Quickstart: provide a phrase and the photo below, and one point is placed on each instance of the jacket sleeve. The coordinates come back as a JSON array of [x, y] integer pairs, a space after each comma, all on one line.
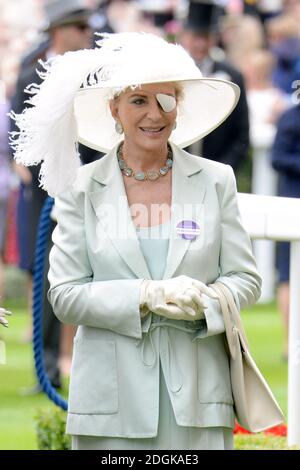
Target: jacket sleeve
[[285, 151], [74, 296], [237, 265], [237, 145]]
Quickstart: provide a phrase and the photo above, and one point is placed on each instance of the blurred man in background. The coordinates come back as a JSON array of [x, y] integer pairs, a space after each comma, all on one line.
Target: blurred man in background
[[230, 142]]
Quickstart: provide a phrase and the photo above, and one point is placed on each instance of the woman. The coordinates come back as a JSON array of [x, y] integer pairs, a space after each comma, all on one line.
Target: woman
[[140, 234]]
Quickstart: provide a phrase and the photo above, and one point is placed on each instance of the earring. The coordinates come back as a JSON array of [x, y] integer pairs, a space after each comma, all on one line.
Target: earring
[[174, 125], [119, 128]]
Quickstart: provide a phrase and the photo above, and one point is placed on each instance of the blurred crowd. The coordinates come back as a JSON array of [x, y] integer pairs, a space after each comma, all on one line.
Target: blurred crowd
[[255, 44]]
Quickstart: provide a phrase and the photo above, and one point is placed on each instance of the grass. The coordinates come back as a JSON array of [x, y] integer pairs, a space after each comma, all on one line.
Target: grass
[[265, 334], [260, 442], [16, 411], [17, 427]]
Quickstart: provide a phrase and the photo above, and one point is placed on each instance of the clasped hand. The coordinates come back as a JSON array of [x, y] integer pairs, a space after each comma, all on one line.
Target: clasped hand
[[3, 314], [179, 298]]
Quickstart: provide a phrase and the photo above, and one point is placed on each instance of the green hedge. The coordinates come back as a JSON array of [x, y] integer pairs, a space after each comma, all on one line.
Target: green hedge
[[50, 428]]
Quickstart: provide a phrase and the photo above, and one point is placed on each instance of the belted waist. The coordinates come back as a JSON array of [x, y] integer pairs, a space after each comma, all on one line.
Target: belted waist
[[170, 358]]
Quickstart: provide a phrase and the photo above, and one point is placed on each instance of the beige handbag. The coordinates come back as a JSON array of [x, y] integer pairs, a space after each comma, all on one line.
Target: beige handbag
[[255, 406]]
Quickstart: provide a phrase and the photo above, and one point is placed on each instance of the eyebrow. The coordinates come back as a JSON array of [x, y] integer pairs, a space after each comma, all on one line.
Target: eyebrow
[[145, 95]]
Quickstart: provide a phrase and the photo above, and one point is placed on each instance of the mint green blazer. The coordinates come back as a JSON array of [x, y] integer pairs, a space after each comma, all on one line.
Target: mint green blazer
[[95, 275]]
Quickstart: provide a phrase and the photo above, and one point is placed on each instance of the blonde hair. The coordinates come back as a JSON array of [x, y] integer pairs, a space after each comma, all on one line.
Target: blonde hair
[[244, 35], [179, 90]]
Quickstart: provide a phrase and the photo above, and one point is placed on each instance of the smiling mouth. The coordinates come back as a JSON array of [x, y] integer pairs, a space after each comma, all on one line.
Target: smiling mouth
[[152, 131]]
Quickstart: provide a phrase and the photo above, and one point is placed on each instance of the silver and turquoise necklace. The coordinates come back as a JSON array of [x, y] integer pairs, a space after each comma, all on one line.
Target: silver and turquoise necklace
[[151, 175]]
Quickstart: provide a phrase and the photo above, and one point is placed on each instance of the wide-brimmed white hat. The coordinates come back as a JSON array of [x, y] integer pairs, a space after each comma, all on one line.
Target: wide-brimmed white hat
[[145, 59], [72, 103]]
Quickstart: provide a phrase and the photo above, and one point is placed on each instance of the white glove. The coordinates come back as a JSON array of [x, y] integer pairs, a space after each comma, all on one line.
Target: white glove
[[178, 298], [3, 320]]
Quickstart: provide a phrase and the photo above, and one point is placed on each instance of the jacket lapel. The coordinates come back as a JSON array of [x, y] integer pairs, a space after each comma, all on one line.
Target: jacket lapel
[[111, 207], [187, 197]]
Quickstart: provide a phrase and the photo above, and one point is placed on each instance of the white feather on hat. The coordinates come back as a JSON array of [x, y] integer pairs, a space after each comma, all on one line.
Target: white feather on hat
[[48, 129], [71, 104]]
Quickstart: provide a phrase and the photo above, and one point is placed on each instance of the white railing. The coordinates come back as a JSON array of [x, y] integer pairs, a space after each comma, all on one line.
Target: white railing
[[278, 218]]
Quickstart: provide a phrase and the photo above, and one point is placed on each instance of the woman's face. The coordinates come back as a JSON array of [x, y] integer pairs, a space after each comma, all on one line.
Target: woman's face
[[143, 119]]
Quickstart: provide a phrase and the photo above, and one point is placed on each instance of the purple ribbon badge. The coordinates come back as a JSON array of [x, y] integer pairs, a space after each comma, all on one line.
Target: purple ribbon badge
[[188, 229]]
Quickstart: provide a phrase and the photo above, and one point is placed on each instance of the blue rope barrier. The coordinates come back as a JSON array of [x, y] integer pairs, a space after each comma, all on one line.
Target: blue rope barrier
[[39, 267]]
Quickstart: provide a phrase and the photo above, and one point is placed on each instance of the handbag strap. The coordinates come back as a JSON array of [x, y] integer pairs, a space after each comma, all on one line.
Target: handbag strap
[[231, 315]]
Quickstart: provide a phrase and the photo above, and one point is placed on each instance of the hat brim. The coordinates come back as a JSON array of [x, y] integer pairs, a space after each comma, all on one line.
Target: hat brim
[[206, 103], [79, 16]]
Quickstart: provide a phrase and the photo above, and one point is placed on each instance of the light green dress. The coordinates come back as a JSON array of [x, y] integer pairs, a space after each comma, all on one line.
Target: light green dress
[[154, 242]]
